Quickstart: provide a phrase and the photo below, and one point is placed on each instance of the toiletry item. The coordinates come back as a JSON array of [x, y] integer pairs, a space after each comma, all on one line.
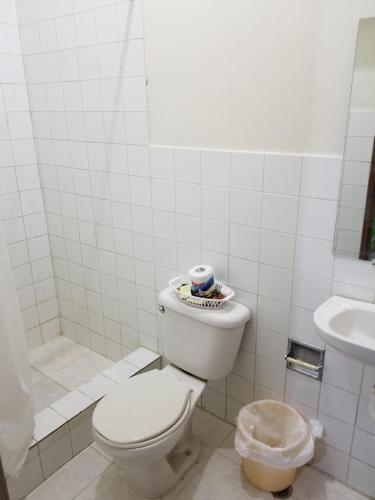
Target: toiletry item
[[202, 280]]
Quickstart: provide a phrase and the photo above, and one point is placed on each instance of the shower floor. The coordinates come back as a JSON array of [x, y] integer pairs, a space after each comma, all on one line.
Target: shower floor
[[60, 366]]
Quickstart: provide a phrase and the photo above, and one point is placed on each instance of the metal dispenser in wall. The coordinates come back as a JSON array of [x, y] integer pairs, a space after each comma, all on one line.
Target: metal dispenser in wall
[[305, 358]]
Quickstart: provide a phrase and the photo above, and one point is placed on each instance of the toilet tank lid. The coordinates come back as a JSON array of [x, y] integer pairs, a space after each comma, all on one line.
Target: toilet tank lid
[[231, 315]]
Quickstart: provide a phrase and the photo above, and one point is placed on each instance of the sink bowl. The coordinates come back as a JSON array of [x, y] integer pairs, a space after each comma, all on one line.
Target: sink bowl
[[348, 326]]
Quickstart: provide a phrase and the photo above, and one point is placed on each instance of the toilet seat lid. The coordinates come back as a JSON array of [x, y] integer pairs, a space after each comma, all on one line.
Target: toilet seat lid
[[141, 408]]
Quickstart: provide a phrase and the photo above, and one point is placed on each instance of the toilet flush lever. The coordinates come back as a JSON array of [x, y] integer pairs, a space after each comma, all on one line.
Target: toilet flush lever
[[162, 309]]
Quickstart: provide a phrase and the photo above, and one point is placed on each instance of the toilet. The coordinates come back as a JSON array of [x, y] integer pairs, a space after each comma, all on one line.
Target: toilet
[[145, 423]]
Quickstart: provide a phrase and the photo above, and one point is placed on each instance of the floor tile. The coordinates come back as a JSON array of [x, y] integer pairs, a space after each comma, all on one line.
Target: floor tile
[[209, 429], [221, 479], [120, 371], [314, 485], [72, 404], [71, 479], [55, 354], [204, 457], [227, 449], [98, 387], [141, 357], [36, 376], [47, 392], [81, 370], [216, 475], [109, 486]]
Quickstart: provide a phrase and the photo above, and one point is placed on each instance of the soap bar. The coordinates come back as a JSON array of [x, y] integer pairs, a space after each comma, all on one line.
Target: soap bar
[[185, 289]]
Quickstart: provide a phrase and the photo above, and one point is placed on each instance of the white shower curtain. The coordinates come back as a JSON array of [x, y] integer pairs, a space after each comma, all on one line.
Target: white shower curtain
[[16, 407]]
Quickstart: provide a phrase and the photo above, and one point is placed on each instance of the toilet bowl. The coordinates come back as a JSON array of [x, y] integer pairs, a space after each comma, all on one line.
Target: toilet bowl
[[145, 423], [145, 426]]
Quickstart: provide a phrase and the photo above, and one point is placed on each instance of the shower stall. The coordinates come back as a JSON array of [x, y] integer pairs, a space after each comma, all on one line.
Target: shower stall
[[75, 189]]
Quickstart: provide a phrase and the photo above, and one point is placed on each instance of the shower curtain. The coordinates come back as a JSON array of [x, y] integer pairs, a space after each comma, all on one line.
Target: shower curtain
[[16, 407]]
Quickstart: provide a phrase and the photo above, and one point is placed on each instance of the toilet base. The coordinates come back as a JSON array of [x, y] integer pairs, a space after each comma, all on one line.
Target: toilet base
[[157, 478]]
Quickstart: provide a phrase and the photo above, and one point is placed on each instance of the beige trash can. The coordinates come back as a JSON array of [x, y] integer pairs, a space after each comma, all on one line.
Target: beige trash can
[[273, 440], [267, 478]]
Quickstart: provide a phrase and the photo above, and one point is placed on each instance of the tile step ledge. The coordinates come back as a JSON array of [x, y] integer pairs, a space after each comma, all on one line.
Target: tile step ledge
[[63, 429]]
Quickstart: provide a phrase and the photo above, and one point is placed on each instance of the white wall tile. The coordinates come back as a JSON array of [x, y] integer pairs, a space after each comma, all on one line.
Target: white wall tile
[[302, 389], [310, 291], [188, 198], [271, 345], [338, 403], [215, 203], [364, 447], [56, 455], [161, 161], [247, 171], [243, 274], [240, 389], [336, 433], [187, 165], [321, 177], [214, 235], [273, 315], [270, 374], [343, 371], [275, 283], [317, 218], [314, 256], [244, 242], [361, 477], [280, 213], [245, 207], [277, 249], [215, 167], [163, 195], [282, 174], [331, 461]]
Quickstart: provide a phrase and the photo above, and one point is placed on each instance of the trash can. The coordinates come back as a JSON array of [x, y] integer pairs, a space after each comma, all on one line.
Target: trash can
[[273, 439]]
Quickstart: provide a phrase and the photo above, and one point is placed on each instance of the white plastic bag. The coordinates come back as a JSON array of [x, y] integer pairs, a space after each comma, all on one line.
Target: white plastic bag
[[16, 407], [275, 434]]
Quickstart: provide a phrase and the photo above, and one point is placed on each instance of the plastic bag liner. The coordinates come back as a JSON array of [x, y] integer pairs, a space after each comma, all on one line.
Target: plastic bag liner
[[275, 434]]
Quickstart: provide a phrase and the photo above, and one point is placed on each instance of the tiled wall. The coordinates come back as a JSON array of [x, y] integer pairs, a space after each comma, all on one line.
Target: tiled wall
[[266, 223], [357, 158], [124, 218], [21, 204], [84, 66]]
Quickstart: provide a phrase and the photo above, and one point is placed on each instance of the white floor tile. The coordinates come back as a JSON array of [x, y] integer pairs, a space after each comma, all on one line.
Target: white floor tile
[[47, 392], [55, 354], [81, 370], [210, 430], [314, 485], [71, 479], [70, 405]]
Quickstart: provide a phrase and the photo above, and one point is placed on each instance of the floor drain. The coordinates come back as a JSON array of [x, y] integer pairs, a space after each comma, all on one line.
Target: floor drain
[[284, 493], [188, 453]]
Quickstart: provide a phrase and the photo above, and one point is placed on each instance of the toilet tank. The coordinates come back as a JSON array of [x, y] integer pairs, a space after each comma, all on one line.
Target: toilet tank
[[202, 342]]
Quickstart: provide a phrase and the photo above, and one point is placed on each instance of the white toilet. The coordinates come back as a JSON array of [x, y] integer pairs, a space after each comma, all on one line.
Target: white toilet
[[145, 422]]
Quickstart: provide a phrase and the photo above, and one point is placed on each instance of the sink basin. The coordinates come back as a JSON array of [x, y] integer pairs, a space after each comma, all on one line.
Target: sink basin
[[348, 326]]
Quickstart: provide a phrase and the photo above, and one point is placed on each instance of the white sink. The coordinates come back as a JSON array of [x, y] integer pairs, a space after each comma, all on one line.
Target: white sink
[[348, 326]]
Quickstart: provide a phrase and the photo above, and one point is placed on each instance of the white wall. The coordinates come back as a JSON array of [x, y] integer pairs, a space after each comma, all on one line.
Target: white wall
[[363, 92], [85, 73], [22, 216], [255, 75]]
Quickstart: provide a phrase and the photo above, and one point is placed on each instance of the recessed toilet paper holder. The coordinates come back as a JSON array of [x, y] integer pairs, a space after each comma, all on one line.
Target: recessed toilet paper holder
[[305, 358]]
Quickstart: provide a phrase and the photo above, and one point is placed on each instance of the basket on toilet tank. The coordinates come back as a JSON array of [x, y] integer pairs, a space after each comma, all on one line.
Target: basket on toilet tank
[[177, 285]]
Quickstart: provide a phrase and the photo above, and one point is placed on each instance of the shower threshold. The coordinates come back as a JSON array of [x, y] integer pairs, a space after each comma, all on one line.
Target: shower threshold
[[63, 428]]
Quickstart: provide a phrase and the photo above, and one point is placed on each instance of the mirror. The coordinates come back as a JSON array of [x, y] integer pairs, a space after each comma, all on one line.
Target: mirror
[[355, 225]]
